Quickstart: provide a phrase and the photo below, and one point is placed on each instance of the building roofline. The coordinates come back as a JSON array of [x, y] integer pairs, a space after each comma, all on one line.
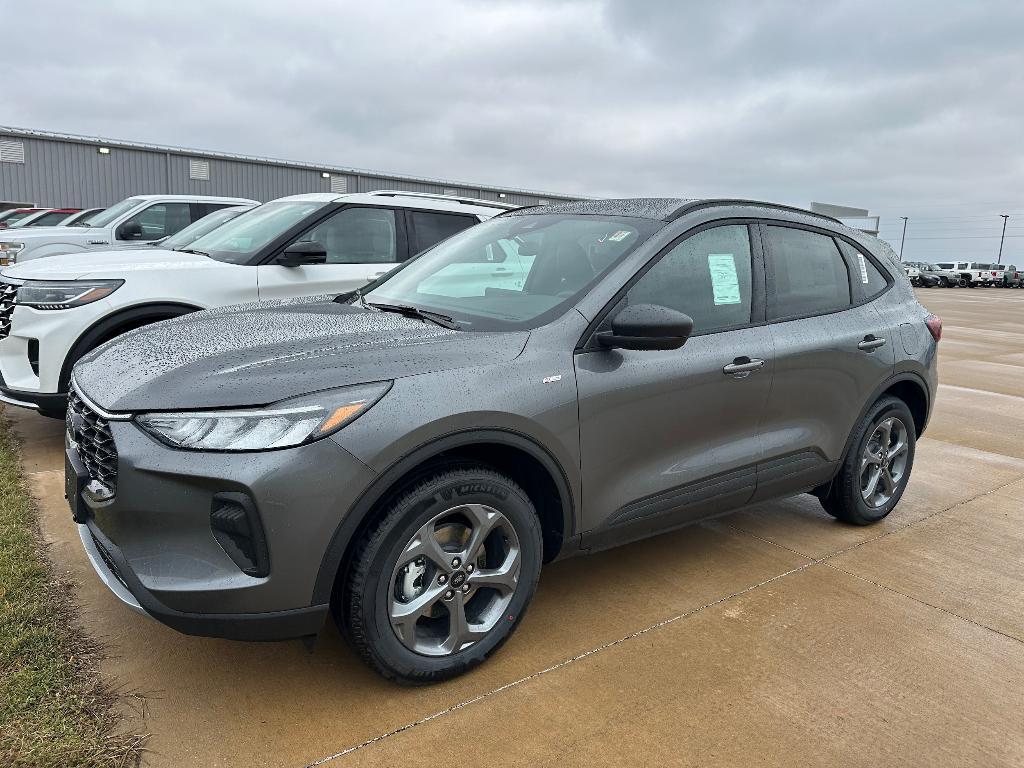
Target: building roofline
[[32, 133]]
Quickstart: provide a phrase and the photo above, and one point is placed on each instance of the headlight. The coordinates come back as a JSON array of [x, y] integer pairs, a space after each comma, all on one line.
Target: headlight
[[65, 295], [282, 425], [9, 253]]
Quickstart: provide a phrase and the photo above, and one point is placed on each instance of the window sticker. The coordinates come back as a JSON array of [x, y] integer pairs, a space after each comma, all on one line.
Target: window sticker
[[619, 236], [724, 282], [863, 268]]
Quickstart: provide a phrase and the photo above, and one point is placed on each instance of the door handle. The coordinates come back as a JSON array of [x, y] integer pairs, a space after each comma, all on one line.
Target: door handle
[[742, 367], [870, 343]]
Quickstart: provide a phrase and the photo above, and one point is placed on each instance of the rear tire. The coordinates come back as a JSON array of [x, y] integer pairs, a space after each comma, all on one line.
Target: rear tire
[[875, 472], [443, 579]]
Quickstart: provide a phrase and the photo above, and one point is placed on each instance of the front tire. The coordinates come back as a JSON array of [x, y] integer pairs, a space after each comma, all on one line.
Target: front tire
[[875, 471], [443, 579]]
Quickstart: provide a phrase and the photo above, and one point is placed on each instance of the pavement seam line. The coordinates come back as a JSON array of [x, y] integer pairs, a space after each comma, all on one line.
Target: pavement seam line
[[663, 623], [924, 602], [560, 665]]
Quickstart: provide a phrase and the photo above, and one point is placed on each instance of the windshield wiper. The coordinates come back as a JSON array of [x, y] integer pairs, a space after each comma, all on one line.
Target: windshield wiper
[[189, 250], [410, 311]]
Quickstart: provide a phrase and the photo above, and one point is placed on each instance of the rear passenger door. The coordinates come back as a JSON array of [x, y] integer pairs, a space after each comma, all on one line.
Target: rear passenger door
[[832, 350]]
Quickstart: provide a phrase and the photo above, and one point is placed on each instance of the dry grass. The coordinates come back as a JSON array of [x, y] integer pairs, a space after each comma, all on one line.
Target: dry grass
[[54, 708]]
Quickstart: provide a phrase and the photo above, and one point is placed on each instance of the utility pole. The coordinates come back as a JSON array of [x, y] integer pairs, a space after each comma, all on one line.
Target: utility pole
[[1002, 237], [904, 236]]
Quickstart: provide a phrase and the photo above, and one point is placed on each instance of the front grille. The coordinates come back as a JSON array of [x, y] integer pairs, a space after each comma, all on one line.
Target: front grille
[[96, 448], [8, 293]]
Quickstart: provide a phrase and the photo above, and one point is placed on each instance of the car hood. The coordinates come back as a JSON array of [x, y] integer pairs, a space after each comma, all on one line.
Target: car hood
[[39, 233], [72, 266], [259, 354]]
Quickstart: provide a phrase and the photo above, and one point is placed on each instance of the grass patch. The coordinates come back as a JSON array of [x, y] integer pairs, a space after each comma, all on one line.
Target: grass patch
[[54, 709]]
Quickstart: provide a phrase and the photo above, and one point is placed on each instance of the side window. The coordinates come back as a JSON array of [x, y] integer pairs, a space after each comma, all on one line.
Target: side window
[[160, 220], [200, 210], [810, 275], [431, 228], [871, 279], [707, 276], [357, 236]]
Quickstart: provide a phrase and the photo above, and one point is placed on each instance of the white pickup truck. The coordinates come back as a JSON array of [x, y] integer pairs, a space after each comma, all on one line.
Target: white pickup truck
[[972, 273], [131, 221]]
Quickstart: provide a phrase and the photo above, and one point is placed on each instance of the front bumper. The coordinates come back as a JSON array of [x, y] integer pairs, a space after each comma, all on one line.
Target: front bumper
[[54, 332], [112, 568], [154, 547], [53, 404]]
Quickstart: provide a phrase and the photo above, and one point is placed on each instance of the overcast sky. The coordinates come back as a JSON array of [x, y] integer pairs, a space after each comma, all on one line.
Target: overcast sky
[[909, 109]]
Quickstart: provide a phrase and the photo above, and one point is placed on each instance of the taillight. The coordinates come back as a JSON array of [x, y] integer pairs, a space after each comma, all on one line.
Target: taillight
[[934, 323]]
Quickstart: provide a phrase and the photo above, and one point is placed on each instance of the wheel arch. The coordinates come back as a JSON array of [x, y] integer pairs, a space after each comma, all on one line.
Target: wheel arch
[[524, 460], [120, 321], [909, 387]]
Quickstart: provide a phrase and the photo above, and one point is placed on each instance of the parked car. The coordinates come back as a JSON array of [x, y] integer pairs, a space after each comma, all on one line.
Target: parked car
[[11, 218], [947, 277], [54, 310], [1012, 277], [195, 230], [921, 274], [133, 220], [48, 218], [81, 216], [410, 455], [955, 271]]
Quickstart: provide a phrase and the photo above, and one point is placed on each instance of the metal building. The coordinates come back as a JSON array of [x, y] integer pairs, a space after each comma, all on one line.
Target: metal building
[[56, 170]]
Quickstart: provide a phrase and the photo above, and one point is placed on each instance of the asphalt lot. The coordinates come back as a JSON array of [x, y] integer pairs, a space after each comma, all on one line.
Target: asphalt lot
[[775, 636]]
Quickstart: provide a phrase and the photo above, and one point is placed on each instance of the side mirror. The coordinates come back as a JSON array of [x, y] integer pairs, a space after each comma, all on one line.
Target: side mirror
[[130, 230], [302, 253], [647, 326]]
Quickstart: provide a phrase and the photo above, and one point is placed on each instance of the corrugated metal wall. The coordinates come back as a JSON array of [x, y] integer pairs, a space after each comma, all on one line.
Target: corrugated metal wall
[[59, 172]]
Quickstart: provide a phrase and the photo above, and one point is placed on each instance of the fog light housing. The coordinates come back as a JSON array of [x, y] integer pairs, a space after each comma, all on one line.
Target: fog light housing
[[237, 528]]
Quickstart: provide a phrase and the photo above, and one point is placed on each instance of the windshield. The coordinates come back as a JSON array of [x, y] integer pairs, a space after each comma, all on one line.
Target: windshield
[[49, 219], [18, 216], [515, 271], [204, 226], [240, 238], [105, 217]]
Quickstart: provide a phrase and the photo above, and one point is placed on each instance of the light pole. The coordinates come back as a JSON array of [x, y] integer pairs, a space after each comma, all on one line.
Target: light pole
[[904, 236], [1002, 237]]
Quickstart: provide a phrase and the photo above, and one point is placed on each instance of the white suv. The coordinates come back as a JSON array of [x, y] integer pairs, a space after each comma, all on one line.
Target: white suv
[[54, 310], [133, 220]]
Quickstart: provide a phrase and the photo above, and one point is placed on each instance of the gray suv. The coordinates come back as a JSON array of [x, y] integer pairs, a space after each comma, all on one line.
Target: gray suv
[[555, 381]]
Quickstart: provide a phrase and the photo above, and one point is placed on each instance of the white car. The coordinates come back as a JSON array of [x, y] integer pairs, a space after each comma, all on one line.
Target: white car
[[133, 220], [54, 310]]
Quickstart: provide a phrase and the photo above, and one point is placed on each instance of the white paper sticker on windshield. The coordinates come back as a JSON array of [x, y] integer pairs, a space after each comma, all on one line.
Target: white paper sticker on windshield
[[863, 268], [724, 282], [618, 236]]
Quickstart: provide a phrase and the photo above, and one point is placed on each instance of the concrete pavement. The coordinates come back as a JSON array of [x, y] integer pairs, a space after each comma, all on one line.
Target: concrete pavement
[[774, 636]]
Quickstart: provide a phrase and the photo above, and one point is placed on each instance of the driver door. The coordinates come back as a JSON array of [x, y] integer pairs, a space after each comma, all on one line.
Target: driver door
[[669, 436], [362, 244]]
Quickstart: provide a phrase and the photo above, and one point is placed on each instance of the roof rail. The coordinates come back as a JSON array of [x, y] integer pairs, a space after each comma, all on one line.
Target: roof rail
[[698, 204], [435, 196]]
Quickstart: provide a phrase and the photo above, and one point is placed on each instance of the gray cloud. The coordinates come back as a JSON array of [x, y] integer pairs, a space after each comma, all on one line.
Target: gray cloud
[[908, 108]]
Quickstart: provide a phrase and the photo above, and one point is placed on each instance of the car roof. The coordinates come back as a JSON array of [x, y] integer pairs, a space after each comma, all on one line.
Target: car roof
[[656, 208], [212, 198], [403, 199]]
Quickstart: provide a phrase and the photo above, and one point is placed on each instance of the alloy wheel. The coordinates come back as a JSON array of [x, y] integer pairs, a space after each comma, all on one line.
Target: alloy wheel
[[454, 580], [883, 462]]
